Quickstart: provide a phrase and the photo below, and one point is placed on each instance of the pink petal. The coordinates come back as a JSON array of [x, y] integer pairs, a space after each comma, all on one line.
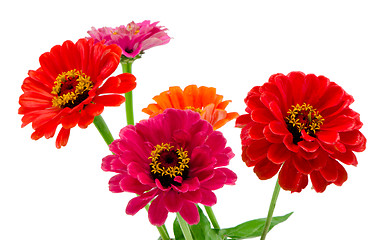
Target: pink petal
[[189, 213], [208, 197], [129, 184], [139, 202], [157, 211], [172, 201]]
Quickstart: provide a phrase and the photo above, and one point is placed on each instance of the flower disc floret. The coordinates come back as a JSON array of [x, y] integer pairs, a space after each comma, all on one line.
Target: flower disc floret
[[71, 88], [168, 163], [174, 160]]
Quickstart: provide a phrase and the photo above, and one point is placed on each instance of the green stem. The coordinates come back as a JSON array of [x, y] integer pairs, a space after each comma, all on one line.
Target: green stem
[[184, 227], [212, 217], [161, 229], [273, 202], [127, 68], [103, 129], [163, 232]]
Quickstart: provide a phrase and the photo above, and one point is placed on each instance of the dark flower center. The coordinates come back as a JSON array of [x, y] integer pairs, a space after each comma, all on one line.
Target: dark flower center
[[303, 117], [71, 88], [168, 163]]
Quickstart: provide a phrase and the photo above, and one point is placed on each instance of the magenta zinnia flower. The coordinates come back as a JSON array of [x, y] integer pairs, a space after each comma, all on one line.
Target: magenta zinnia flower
[[174, 159], [133, 38]]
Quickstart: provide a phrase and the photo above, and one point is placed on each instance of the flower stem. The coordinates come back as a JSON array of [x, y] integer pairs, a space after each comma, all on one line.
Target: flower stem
[[163, 232], [127, 68], [273, 202], [212, 217], [103, 129], [184, 227]]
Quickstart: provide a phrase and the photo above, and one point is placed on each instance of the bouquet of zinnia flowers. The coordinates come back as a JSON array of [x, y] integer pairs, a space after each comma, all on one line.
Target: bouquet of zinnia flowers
[[298, 126]]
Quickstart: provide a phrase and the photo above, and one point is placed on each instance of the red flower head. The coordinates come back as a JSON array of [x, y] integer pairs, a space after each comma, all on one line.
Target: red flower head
[[174, 158], [300, 125], [69, 88]]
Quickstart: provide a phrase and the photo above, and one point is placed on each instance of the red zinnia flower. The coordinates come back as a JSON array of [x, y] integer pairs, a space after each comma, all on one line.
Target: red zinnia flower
[[174, 158], [300, 125], [203, 100], [69, 88]]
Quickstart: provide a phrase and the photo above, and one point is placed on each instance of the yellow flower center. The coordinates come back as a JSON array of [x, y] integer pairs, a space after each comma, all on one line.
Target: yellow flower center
[[133, 28], [167, 163], [71, 88], [198, 110], [303, 117]]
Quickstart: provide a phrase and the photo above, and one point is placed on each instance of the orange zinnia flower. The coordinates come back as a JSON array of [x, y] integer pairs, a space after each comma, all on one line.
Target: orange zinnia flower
[[203, 100]]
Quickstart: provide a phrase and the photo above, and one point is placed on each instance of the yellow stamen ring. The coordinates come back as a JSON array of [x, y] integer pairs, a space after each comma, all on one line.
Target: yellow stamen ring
[[304, 117], [173, 169], [80, 79]]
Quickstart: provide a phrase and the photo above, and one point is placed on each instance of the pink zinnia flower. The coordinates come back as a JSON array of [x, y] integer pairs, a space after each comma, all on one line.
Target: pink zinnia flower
[[133, 38], [174, 159]]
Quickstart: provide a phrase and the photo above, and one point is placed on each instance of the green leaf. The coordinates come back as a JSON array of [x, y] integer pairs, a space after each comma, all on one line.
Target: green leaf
[[201, 230], [251, 228]]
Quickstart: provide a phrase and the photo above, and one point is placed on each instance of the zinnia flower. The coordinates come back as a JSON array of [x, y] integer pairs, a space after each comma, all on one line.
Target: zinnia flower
[[133, 38], [174, 159], [69, 88], [300, 125], [203, 100]]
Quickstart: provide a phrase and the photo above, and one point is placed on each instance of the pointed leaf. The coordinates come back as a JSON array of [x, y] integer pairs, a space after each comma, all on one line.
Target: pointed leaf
[[251, 228]]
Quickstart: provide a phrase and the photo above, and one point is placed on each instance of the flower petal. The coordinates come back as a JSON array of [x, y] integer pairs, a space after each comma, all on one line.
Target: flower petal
[[189, 213]]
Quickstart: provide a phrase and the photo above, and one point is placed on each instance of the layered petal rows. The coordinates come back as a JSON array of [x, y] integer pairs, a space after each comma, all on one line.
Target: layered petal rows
[[203, 100], [134, 38], [71, 88], [300, 126], [175, 160]]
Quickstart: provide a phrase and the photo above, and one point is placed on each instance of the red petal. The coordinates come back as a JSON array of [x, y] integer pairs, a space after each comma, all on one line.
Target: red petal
[[289, 177], [319, 183], [302, 165], [342, 175], [242, 120], [85, 120], [258, 150], [347, 157], [329, 137], [340, 124], [94, 109], [62, 138], [265, 169], [330, 171], [278, 128], [70, 120], [271, 137], [122, 83], [262, 115], [308, 146], [109, 100], [331, 97], [278, 153], [256, 131]]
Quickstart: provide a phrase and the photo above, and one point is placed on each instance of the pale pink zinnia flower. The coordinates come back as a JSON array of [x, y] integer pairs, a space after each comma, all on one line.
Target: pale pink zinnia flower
[[174, 159], [134, 38]]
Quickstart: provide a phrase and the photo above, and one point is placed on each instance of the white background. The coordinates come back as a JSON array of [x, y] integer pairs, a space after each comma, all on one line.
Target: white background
[[47, 193]]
